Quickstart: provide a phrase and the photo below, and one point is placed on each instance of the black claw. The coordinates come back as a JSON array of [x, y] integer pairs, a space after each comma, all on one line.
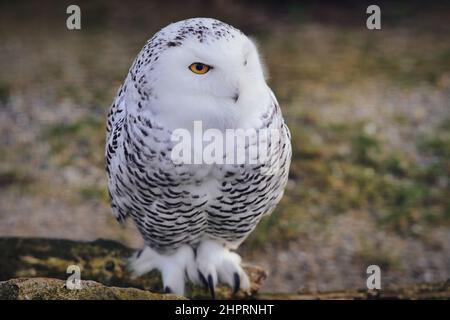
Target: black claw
[[167, 290], [237, 283], [211, 286], [203, 279]]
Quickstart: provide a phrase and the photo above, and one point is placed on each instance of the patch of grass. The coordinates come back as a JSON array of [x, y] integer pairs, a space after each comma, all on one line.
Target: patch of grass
[[94, 192], [81, 140], [281, 226], [365, 147], [410, 68], [369, 253], [345, 167], [437, 145], [401, 205]]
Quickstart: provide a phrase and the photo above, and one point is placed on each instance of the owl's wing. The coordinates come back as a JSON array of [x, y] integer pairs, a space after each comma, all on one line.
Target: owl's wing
[[283, 157], [285, 127], [114, 143]]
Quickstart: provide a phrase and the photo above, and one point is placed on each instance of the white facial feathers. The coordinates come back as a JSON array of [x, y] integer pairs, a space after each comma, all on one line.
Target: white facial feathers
[[231, 91]]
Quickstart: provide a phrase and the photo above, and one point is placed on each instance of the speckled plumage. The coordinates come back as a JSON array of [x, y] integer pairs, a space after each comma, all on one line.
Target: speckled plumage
[[180, 205]]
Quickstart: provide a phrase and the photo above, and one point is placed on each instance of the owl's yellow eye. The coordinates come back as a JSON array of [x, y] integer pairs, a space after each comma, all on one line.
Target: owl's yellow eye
[[199, 68]]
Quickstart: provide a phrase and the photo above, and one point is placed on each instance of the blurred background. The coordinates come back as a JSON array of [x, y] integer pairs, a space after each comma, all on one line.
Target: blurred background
[[369, 113]]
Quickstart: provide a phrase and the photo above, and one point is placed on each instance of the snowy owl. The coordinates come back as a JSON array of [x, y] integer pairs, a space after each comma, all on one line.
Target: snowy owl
[[193, 216]]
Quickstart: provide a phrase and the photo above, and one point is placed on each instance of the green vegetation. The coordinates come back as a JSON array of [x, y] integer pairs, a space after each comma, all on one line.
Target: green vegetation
[[81, 140], [342, 168]]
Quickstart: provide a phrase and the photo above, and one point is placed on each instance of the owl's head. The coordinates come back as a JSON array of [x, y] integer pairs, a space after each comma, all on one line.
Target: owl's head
[[200, 69]]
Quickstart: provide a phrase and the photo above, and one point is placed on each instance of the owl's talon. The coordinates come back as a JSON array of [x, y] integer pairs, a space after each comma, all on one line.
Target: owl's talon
[[237, 283], [203, 279], [221, 265], [173, 266], [211, 287]]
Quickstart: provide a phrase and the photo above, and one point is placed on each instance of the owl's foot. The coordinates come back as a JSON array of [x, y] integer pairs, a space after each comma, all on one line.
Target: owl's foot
[[173, 266], [215, 263]]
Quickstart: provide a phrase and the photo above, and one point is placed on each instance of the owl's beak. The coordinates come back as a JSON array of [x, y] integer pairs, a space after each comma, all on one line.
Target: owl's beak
[[236, 97]]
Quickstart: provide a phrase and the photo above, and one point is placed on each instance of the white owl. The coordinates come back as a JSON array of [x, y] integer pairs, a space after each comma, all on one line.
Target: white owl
[[192, 216]]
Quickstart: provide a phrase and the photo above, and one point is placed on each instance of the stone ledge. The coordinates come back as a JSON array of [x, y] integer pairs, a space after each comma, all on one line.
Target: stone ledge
[[55, 289], [103, 261]]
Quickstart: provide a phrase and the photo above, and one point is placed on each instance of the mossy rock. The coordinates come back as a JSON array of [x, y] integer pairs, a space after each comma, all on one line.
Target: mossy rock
[[55, 289], [102, 261]]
